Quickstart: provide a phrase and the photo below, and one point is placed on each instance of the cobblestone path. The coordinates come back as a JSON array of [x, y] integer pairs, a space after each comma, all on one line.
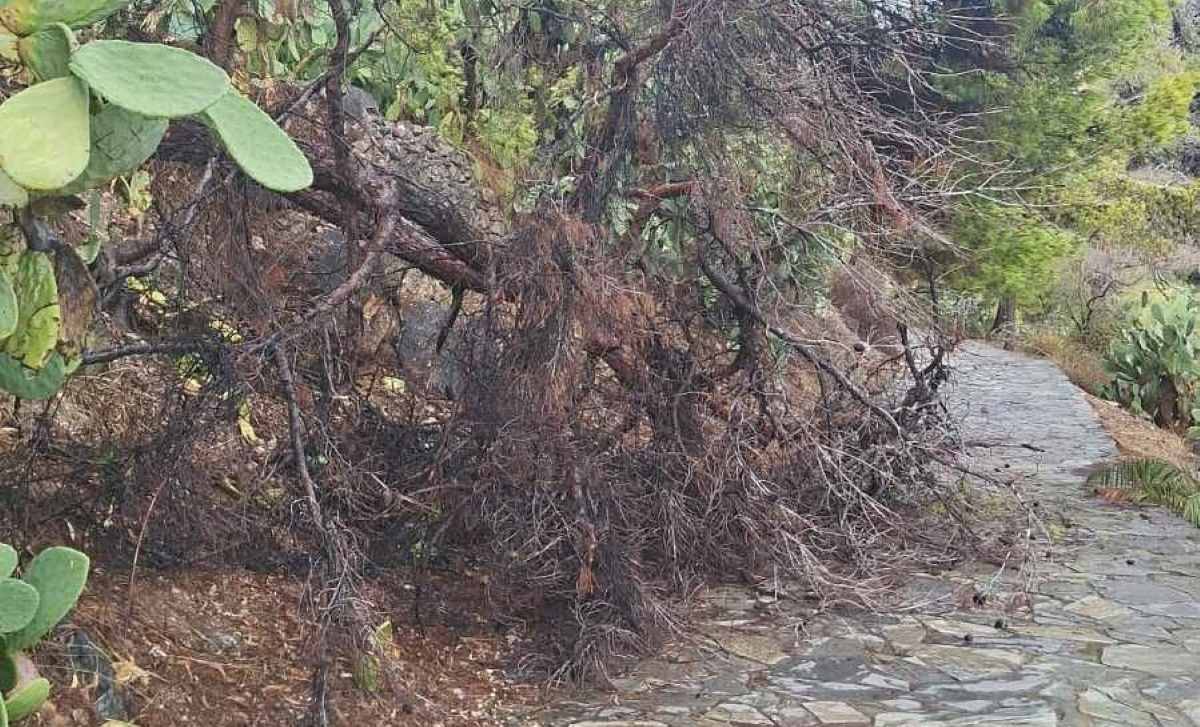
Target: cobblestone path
[[1113, 639]]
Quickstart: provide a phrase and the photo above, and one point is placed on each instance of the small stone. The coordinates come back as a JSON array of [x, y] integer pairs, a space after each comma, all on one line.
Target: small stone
[[966, 664], [738, 714], [836, 713], [1098, 608], [1063, 633], [885, 682], [1096, 704], [904, 637], [971, 705], [618, 723]]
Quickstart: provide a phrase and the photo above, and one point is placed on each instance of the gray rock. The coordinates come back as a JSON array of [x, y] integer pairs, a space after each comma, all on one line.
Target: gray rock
[[95, 669], [1161, 661]]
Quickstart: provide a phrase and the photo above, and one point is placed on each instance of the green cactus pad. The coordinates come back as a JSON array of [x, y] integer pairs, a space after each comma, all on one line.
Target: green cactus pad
[[59, 575], [8, 322], [258, 145], [25, 383], [25, 17], [11, 193], [149, 78], [40, 335], [8, 560], [27, 698], [38, 314], [8, 671], [121, 142], [18, 603], [44, 134], [48, 51]]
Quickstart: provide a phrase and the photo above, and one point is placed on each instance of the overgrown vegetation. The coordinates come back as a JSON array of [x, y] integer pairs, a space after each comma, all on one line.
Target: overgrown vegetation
[[612, 298]]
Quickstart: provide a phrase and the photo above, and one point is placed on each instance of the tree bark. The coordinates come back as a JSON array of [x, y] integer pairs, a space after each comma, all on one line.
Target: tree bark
[[1006, 315]]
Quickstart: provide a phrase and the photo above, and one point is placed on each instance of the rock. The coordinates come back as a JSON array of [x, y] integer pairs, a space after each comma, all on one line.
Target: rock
[[618, 723], [1164, 661], [95, 669], [966, 663], [1098, 608], [1096, 704], [836, 713], [904, 637], [219, 642], [737, 714], [961, 629], [760, 648], [1062, 633]]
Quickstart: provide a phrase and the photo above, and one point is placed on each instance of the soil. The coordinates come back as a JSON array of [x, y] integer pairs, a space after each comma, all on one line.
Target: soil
[[232, 648]]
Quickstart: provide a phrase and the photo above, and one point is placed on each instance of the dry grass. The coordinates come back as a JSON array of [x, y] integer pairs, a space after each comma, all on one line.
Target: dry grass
[[1083, 366], [1138, 438]]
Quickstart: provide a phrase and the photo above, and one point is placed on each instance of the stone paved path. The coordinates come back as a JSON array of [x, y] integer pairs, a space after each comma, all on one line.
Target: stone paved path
[[1113, 639]]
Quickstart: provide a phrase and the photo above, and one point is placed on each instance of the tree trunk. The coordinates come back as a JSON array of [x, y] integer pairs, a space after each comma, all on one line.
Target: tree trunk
[[1006, 315]]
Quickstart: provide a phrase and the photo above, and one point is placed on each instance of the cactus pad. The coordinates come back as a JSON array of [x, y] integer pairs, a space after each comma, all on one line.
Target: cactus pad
[[121, 142], [27, 698], [258, 145], [11, 193], [59, 575], [25, 17], [25, 383], [18, 603], [8, 322], [38, 313], [150, 79], [8, 560], [48, 51], [44, 134]]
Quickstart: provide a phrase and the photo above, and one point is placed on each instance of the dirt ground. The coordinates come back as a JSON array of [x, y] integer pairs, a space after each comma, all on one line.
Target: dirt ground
[[231, 648]]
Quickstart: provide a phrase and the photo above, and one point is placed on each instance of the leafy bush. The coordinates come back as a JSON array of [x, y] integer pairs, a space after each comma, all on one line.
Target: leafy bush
[[1155, 362], [30, 607]]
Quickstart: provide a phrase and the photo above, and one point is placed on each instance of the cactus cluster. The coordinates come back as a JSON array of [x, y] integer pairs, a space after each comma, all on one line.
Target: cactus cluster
[[94, 112], [30, 606]]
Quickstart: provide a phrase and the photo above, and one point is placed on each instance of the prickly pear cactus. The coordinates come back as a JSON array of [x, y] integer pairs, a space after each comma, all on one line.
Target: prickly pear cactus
[[261, 149], [96, 112], [149, 78], [8, 560], [29, 608], [59, 575], [44, 134], [38, 313], [121, 142], [8, 306], [20, 604], [25, 17], [48, 51]]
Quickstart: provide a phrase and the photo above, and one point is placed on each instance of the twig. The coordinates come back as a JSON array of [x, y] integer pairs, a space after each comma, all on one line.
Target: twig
[[296, 434]]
